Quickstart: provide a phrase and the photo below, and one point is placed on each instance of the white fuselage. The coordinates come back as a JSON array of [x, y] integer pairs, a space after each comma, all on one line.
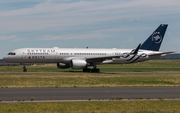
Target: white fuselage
[[65, 55]]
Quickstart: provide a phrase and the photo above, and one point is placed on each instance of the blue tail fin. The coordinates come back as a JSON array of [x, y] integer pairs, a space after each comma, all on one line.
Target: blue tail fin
[[154, 41]]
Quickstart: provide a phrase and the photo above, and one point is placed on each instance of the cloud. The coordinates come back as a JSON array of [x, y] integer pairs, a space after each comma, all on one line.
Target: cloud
[[98, 34], [7, 37], [169, 33], [12, 38], [131, 39], [64, 15], [18, 39], [98, 6], [137, 20], [75, 36]]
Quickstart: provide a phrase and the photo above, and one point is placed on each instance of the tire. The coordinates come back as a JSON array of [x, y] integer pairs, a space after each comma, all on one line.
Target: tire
[[97, 70], [25, 70], [85, 70], [89, 70]]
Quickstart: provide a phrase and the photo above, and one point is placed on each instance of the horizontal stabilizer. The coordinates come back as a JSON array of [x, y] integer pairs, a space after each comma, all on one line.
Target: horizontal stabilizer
[[161, 54]]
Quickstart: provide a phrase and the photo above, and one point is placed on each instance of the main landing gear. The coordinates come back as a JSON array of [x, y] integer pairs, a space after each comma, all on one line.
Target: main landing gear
[[91, 70], [24, 68], [94, 70]]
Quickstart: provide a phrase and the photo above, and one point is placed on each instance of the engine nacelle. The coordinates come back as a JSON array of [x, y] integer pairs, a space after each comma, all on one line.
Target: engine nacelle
[[78, 64], [63, 65]]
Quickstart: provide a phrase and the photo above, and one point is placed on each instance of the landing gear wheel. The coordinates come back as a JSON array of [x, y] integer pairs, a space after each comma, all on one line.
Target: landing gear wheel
[[25, 70], [93, 70], [86, 70], [96, 70]]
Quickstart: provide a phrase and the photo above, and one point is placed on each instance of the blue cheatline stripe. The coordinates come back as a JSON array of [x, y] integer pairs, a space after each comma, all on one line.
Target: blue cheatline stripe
[[135, 59], [139, 57], [128, 53], [131, 58]]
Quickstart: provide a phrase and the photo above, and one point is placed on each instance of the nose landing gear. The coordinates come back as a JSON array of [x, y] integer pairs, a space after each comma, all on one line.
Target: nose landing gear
[[24, 68]]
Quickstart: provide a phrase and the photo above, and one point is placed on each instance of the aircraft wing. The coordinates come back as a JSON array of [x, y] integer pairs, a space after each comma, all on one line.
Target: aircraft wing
[[161, 54], [101, 59]]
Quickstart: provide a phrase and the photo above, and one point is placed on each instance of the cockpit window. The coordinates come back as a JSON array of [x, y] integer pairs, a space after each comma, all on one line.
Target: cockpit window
[[11, 53]]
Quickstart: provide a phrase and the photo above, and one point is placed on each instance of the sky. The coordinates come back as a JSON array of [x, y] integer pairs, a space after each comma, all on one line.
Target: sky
[[86, 23]]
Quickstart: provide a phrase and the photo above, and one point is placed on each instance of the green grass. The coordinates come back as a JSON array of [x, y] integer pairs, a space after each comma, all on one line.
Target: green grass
[[155, 65], [22, 80], [96, 107], [51, 69], [12, 80], [29, 80], [151, 63], [139, 69]]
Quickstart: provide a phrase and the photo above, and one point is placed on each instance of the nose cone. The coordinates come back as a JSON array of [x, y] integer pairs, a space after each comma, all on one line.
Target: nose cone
[[5, 58]]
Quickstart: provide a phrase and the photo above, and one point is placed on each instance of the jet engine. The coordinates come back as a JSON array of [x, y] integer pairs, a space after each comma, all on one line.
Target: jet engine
[[78, 64], [63, 65]]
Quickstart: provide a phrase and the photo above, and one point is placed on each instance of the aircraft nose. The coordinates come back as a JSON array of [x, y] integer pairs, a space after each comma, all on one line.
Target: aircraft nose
[[5, 58]]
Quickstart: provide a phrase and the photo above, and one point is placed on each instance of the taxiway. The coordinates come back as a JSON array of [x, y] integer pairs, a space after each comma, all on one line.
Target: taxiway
[[26, 94]]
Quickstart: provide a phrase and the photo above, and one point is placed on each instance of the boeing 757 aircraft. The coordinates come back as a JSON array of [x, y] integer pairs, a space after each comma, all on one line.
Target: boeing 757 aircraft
[[83, 58]]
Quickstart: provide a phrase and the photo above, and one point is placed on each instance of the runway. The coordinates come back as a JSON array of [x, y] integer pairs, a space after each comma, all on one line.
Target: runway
[[54, 94], [84, 94]]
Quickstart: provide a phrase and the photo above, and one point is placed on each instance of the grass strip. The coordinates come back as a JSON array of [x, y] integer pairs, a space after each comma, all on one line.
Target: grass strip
[[50, 69], [112, 107], [153, 65], [33, 80]]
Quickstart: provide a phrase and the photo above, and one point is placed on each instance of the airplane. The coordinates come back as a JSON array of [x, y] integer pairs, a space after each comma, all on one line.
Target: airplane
[[82, 58]]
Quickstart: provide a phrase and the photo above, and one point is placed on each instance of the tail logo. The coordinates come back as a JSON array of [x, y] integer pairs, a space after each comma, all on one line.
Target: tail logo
[[156, 37]]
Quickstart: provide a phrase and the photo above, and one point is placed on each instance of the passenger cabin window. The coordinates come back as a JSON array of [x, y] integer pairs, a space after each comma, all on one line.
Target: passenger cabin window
[[11, 53]]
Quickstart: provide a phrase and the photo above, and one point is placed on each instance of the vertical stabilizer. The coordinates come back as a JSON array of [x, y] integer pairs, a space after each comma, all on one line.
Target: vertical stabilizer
[[155, 39]]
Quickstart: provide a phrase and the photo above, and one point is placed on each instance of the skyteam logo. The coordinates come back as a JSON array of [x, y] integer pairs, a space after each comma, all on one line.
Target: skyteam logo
[[156, 37]]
